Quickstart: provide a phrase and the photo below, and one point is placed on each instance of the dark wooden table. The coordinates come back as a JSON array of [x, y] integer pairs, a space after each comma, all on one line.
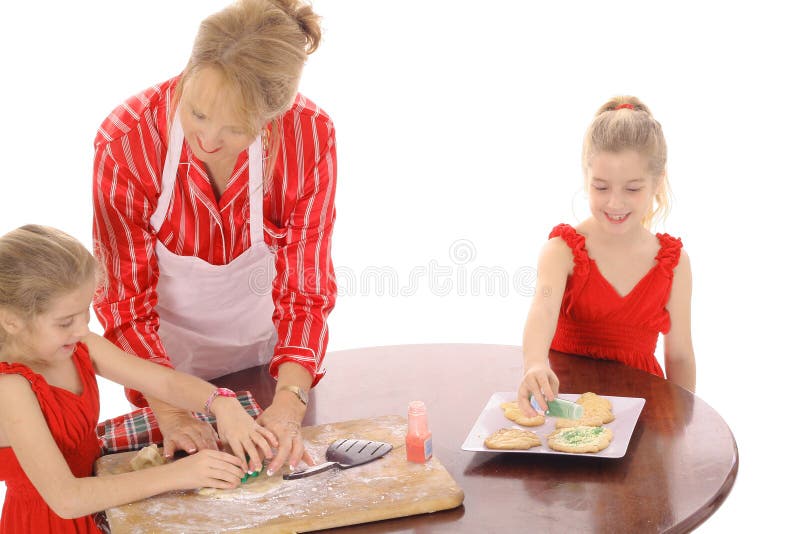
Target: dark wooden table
[[680, 465]]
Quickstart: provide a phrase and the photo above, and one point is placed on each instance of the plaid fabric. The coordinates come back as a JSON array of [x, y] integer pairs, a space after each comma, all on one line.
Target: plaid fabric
[[138, 429]]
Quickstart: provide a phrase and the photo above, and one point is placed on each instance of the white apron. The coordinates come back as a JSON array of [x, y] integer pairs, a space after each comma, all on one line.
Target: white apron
[[215, 319]]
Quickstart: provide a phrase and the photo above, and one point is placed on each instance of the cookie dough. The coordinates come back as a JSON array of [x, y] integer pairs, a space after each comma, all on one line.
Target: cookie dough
[[254, 486], [512, 439], [147, 457], [513, 413], [580, 439]]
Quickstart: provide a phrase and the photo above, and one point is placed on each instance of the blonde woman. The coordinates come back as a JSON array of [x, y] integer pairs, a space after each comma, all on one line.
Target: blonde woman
[[607, 287], [213, 213]]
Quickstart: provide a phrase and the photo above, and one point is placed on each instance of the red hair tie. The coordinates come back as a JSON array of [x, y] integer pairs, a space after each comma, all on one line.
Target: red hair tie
[[624, 106]]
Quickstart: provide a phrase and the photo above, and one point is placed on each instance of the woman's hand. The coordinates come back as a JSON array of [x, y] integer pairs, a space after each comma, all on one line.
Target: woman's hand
[[207, 468], [282, 418], [241, 432], [541, 382], [181, 431]]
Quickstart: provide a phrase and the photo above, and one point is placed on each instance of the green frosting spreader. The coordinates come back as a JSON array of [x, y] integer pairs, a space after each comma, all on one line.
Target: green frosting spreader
[[560, 408]]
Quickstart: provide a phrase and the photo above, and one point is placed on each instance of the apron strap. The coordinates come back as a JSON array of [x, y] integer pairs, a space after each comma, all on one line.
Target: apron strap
[[256, 190], [169, 173]]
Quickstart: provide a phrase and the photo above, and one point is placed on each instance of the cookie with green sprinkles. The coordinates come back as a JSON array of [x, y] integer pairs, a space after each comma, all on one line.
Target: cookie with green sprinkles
[[580, 439]]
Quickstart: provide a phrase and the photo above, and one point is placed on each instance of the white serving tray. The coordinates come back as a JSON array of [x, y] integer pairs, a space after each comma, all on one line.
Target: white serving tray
[[626, 411]]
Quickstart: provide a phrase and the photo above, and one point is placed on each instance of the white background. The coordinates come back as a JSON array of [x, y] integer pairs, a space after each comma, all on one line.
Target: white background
[[459, 127]]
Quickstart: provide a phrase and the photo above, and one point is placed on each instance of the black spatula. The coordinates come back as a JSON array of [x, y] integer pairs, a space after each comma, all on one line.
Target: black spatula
[[345, 453]]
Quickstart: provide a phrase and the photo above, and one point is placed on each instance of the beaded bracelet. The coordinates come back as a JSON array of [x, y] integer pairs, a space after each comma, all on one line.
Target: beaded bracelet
[[219, 392]]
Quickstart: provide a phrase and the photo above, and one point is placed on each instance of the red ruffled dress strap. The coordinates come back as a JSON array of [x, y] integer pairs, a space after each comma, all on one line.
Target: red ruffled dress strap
[[34, 379], [669, 255], [577, 243], [581, 263]]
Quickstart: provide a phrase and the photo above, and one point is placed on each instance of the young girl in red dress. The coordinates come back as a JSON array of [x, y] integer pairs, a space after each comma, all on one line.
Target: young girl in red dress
[[607, 287], [49, 402]]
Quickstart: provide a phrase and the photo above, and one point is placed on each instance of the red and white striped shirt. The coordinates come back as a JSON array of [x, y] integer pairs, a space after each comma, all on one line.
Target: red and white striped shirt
[[130, 149]]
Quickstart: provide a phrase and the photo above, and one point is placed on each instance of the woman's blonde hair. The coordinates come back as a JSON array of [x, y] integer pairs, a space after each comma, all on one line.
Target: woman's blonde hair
[[625, 123], [259, 47], [39, 264]]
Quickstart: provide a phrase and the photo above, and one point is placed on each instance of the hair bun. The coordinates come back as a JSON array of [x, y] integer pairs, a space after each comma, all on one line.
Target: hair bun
[[624, 102], [306, 19], [309, 23]]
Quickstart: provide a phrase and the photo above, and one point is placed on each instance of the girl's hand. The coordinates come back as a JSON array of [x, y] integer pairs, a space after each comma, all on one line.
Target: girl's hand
[[241, 432], [283, 419], [541, 382], [207, 468]]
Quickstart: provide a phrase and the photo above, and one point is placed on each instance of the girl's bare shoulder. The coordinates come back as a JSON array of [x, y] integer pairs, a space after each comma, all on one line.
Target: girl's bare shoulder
[[13, 383], [16, 395]]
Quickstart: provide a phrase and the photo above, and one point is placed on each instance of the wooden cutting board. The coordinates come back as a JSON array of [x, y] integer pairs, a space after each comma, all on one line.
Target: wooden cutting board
[[383, 489]]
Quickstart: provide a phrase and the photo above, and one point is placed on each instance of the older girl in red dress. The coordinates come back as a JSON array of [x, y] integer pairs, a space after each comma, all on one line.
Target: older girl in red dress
[[607, 287]]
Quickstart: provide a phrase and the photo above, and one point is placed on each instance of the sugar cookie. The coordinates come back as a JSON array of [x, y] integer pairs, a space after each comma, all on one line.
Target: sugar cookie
[[586, 420], [580, 439], [513, 413], [512, 439], [596, 406]]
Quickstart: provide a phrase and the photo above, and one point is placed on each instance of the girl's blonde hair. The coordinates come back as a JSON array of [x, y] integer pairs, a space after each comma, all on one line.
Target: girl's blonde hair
[[39, 264], [625, 123], [259, 47]]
